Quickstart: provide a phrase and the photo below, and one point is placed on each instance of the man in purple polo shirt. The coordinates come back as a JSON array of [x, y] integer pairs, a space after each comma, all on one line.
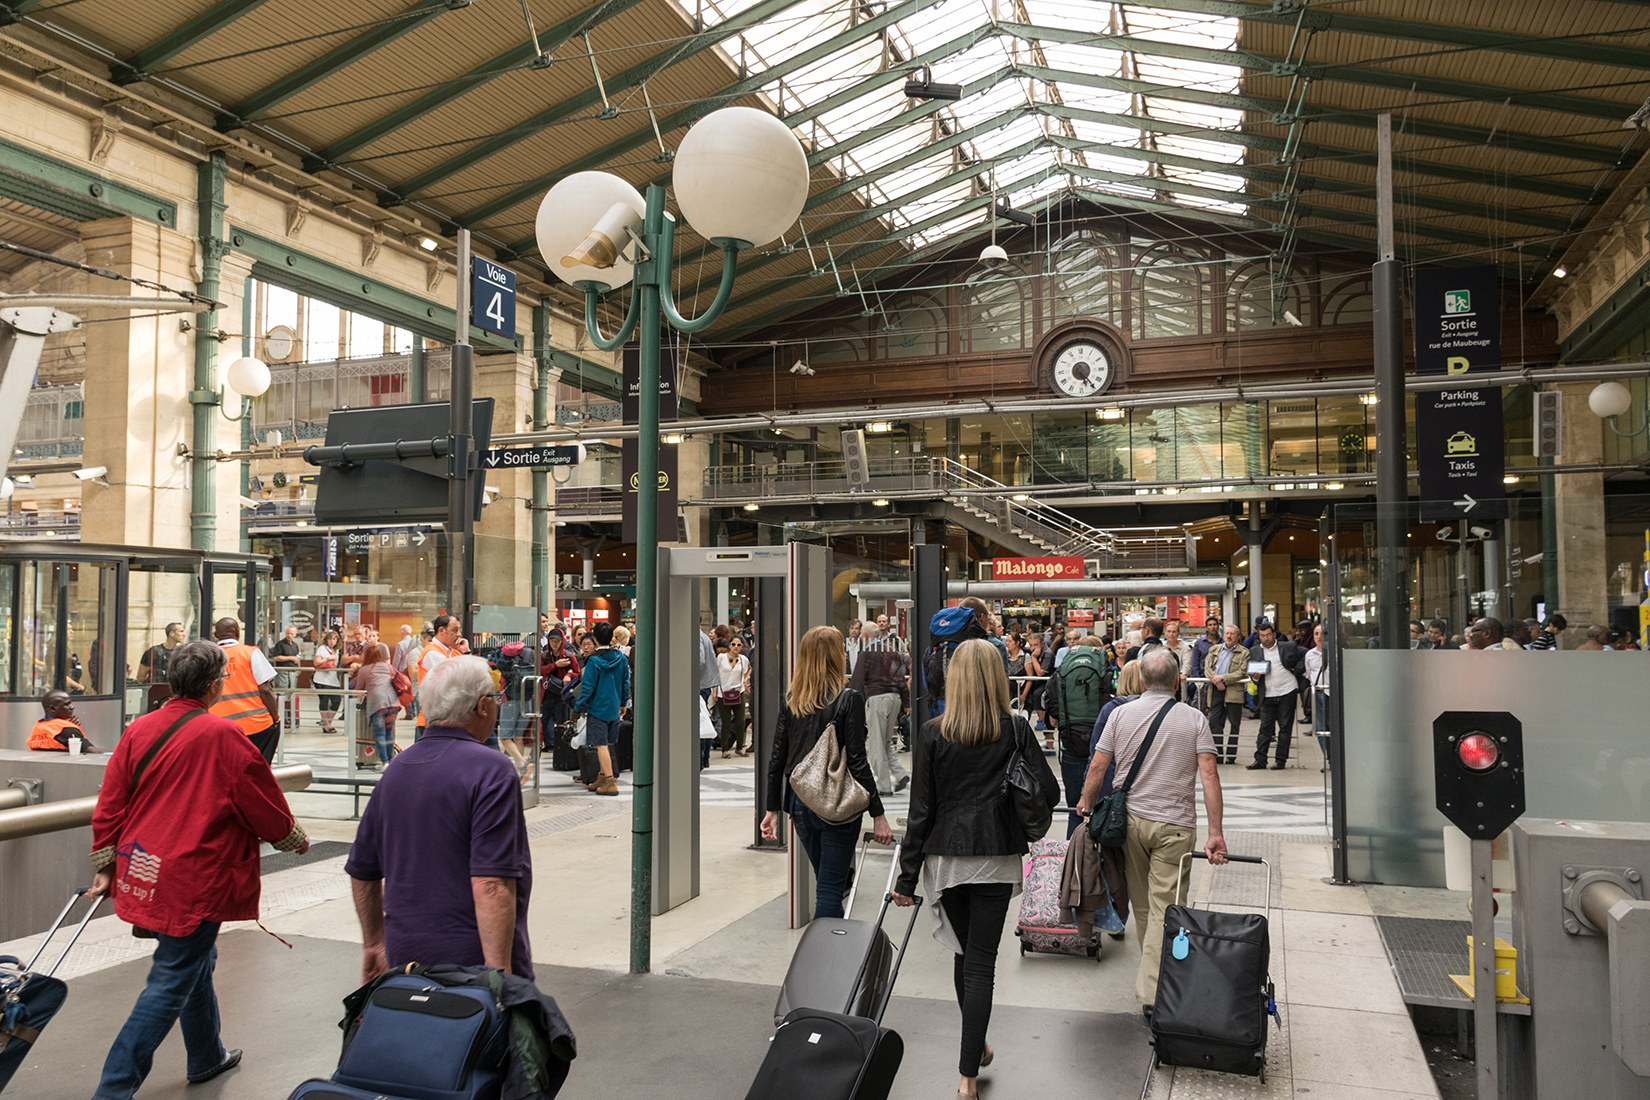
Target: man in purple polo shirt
[[440, 866]]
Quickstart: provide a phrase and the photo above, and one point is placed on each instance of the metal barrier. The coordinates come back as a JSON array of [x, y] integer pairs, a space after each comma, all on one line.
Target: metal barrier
[[72, 813], [11, 799]]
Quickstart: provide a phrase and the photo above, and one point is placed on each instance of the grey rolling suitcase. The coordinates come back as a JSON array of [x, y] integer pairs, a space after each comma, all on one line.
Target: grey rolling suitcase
[[826, 965]]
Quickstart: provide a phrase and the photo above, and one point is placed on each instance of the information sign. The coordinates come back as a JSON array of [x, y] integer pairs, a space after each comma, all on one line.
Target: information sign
[[1036, 569], [518, 458], [1459, 449], [493, 298]]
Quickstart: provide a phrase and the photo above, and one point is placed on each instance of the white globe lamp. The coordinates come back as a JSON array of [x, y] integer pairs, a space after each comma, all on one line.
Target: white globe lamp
[[582, 237], [741, 177], [993, 255], [1609, 399], [248, 377]]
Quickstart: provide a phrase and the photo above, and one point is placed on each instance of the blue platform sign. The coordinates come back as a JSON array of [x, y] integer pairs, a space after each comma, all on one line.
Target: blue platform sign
[[493, 298]]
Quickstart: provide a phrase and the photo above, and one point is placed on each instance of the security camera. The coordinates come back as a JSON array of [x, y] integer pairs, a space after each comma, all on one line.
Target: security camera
[[1482, 533], [90, 472], [993, 255], [1446, 534], [799, 367]]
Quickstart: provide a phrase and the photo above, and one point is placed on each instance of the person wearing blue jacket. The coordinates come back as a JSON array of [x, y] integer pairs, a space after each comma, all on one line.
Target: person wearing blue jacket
[[604, 689]]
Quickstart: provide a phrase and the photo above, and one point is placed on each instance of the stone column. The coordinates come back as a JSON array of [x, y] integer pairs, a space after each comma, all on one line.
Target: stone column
[[504, 537], [139, 371], [1583, 571]]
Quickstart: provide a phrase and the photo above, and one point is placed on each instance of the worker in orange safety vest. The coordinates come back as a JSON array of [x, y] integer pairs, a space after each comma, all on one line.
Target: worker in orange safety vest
[[247, 699]]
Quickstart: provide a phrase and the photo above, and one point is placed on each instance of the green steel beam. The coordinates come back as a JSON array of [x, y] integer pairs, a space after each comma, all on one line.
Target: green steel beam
[[591, 377], [140, 65], [550, 41], [1275, 107], [629, 78], [1305, 184], [70, 191], [687, 116], [1363, 120], [1270, 65], [924, 110], [1451, 36], [333, 62], [1313, 151], [13, 11], [274, 262], [1612, 322]]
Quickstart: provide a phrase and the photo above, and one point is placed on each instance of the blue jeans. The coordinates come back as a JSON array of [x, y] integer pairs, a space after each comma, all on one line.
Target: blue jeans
[[383, 733], [179, 991], [1321, 712], [830, 849], [1073, 770]]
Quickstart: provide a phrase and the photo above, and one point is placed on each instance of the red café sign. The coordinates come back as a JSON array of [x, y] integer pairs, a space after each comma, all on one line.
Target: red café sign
[[1037, 569]]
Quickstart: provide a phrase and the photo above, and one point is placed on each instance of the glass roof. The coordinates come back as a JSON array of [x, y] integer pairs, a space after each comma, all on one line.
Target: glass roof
[[1025, 146]]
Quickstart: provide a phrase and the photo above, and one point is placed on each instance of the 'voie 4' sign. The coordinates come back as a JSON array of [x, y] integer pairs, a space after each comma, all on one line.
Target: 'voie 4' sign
[[493, 298]]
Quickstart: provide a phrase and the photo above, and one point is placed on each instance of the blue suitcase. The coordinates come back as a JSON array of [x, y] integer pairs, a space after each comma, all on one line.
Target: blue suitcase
[[29, 999], [420, 1040]]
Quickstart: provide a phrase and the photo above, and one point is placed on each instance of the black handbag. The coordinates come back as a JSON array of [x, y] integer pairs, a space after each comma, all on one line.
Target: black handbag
[[1109, 824], [1023, 791]]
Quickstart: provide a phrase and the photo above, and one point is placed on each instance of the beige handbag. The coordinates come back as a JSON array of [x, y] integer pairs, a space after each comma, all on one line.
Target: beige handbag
[[822, 781]]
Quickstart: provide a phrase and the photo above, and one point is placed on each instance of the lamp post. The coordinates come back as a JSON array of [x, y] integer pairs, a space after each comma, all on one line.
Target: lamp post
[[250, 378], [741, 179]]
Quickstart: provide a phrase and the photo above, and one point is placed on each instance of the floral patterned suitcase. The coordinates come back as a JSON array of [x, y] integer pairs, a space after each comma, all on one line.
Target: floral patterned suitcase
[[1045, 926]]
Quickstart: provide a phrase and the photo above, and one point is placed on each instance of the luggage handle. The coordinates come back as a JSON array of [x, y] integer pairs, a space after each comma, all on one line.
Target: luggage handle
[[899, 960], [865, 963], [1230, 858], [865, 850], [84, 921]]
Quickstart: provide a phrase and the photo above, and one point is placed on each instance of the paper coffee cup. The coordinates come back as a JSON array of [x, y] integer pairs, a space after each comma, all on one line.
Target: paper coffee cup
[[75, 745]]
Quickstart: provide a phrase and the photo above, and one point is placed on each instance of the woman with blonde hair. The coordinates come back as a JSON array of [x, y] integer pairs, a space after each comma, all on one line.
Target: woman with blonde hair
[[964, 837], [820, 698]]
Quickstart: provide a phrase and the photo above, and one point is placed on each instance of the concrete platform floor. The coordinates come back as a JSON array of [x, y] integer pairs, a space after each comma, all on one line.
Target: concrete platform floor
[[698, 1025]]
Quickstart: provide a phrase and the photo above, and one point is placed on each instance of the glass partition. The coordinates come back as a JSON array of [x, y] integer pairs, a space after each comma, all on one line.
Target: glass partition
[[66, 633]]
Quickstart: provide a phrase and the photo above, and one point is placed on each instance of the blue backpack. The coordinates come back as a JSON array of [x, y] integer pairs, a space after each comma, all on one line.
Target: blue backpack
[[946, 631]]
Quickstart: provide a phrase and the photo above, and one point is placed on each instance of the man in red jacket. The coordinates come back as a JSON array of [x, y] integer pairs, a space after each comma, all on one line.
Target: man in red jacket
[[185, 800]]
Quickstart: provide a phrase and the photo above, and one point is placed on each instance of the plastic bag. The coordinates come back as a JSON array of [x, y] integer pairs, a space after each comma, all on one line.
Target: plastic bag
[[578, 731], [707, 728]]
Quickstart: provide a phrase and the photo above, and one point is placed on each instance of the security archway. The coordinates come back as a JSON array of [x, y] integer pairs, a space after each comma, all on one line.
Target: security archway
[[793, 595]]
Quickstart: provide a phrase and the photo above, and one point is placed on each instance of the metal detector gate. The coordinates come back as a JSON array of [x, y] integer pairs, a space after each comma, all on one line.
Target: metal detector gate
[[793, 595]]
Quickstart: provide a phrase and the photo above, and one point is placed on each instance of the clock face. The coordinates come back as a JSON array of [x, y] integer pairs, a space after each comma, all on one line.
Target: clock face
[[1081, 369]]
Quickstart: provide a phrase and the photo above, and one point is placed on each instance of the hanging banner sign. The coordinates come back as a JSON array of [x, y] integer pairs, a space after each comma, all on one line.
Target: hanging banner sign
[[629, 451], [1037, 569], [1460, 452]]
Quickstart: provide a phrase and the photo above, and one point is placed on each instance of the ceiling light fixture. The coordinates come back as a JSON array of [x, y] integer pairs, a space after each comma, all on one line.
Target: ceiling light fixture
[[923, 87], [1510, 479], [1022, 496], [879, 426], [428, 244], [674, 437], [880, 502], [1559, 272], [750, 507], [1333, 485], [1112, 413]]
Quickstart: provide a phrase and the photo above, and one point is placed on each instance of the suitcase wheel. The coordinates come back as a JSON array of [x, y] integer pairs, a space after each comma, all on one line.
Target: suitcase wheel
[[1022, 947]]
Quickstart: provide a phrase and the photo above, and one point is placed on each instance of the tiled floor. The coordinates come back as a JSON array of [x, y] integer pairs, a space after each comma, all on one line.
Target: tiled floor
[[1067, 1026]]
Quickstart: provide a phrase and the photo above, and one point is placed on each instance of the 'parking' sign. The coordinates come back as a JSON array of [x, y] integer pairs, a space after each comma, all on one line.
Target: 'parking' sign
[[493, 298]]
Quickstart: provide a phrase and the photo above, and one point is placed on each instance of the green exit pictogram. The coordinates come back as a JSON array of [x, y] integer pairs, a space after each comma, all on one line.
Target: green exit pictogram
[[1457, 301]]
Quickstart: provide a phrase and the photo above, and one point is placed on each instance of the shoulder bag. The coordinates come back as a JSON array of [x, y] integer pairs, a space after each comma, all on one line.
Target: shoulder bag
[[822, 781], [1109, 824], [1022, 789]]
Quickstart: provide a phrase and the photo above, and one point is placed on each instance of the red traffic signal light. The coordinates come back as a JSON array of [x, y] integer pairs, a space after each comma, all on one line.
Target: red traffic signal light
[[1478, 752]]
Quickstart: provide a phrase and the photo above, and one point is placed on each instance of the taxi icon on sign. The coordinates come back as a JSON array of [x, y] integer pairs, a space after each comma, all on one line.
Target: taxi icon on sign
[[1461, 444]]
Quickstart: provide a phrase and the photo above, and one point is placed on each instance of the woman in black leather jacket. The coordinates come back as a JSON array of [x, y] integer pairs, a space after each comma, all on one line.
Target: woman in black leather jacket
[[818, 697], [964, 837]]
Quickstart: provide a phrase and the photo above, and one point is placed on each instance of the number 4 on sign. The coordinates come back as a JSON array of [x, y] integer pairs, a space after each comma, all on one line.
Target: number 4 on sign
[[495, 309]]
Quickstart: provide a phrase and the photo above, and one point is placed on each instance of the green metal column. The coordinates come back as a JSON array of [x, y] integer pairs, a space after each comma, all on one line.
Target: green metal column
[[203, 508], [543, 552], [246, 421], [649, 275], [415, 372]]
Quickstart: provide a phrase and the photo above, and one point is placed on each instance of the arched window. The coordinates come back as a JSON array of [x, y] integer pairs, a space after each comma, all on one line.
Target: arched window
[[1172, 293], [1349, 303], [1085, 280], [1258, 297], [840, 343], [995, 304], [915, 326]]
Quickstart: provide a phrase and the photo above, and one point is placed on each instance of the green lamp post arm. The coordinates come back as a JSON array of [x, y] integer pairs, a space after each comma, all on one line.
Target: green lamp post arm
[[593, 326], [1611, 421], [667, 301]]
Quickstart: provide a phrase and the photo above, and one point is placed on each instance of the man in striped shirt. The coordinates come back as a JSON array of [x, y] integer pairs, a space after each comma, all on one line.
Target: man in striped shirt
[[1162, 811]]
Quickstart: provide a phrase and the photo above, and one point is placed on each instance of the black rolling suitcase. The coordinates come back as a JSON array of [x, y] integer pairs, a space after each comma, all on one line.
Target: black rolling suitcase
[[624, 753], [823, 969], [29, 999], [1213, 987], [563, 756], [821, 1055]]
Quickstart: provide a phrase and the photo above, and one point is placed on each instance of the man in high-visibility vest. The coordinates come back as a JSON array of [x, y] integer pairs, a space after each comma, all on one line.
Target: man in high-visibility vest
[[247, 699], [448, 642], [52, 733]]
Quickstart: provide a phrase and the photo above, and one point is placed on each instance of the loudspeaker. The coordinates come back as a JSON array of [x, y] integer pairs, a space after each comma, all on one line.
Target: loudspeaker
[[853, 457]]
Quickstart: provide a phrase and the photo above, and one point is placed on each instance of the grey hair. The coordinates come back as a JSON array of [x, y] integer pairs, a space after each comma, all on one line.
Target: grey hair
[[194, 668], [1159, 670], [450, 691]]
